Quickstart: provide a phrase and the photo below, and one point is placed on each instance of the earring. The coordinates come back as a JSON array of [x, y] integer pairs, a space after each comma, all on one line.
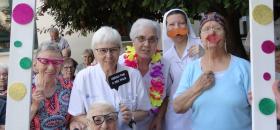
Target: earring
[[225, 46]]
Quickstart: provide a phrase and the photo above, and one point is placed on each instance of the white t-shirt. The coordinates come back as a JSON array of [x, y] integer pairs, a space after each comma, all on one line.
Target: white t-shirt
[[175, 121], [90, 85], [144, 125]]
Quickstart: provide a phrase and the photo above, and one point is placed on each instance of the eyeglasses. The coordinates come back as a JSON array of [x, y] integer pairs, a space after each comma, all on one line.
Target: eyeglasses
[[68, 67], [47, 61], [110, 118], [104, 51], [151, 40], [209, 29]]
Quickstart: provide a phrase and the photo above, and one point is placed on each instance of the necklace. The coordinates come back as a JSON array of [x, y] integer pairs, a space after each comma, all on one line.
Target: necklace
[[157, 80], [52, 104]]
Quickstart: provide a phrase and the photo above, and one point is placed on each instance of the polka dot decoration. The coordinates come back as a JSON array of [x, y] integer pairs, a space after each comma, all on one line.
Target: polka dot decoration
[[17, 43], [268, 47], [267, 106], [17, 91], [266, 76], [262, 14], [25, 63], [23, 14]]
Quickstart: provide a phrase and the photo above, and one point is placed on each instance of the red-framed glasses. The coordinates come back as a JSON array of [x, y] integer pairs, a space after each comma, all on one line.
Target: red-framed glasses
[[46, 61]]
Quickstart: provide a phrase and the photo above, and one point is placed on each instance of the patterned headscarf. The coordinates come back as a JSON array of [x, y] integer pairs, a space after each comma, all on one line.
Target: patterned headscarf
[[212, 16]]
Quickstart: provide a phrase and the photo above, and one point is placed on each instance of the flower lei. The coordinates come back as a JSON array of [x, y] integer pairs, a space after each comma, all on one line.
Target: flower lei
[[157, 81]]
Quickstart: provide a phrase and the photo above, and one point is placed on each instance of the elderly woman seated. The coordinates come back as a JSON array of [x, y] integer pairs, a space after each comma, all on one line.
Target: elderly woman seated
[[102, 115]]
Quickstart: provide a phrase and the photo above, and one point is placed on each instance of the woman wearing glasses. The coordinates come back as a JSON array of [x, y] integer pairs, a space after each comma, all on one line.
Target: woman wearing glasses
[[102, 116], [215, 86], [50, 97], [108, 81], [180, 47], [145, 35]]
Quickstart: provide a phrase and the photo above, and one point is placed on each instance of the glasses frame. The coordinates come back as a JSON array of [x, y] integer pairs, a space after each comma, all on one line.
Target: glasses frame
[[214, 29], [143, 39], [47, 61], [104, 51], [105, 117]]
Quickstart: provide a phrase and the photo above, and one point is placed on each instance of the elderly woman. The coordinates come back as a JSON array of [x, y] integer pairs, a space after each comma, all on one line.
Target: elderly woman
[[184, 48], [3, 79], [88, 58], [102, 116], [145, 35], [215, 86], [67, 71], [108, 81], [50, 96]]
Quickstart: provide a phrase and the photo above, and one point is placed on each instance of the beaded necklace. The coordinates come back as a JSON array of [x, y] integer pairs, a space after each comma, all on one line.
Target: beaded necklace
[[157, 82]]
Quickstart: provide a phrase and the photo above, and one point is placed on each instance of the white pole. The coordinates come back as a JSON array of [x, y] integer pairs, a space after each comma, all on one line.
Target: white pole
[[263, 67], [20, 65]]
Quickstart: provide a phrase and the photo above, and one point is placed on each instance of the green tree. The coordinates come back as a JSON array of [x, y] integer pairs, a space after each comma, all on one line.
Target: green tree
[[88, 15]]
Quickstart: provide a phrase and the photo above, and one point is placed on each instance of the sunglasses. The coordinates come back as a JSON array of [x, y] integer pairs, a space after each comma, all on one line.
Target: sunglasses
[[47, 61]]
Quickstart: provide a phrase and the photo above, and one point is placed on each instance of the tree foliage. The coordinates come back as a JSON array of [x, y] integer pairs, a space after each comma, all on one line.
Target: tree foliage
[[88, 15]]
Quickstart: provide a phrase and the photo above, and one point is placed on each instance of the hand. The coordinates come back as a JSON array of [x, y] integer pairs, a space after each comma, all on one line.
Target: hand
[[75, 125], [40, 81], [276, 91], [206, 80], [126, 113], [155, 124], [194, 50]]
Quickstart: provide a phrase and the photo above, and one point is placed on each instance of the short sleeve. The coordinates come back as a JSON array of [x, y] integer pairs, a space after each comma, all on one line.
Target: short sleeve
[[246, 76], [76, 105]]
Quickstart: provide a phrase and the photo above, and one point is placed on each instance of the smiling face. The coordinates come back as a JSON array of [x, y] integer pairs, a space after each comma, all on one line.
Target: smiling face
[[87, 58], [212, 35], [107, 55], [49, 64], [103, 118], [68, 70], [3, 78], [175, 22], [145, 42]]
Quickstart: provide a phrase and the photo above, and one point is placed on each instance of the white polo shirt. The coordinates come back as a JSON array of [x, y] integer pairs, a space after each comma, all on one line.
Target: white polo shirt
[[90, 86]]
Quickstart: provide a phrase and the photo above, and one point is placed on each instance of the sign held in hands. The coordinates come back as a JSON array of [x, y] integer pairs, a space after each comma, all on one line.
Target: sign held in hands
[[118, 79]]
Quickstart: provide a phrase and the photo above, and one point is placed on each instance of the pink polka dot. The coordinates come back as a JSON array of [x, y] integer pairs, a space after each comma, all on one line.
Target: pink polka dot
[[266, 76], [23, 13], [268, 46]]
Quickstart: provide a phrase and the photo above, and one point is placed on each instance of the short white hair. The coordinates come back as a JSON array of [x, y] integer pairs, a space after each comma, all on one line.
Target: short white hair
[[4, 66], [100, 104], [144, 23], [106, 35], [48, 46], [53, 30]]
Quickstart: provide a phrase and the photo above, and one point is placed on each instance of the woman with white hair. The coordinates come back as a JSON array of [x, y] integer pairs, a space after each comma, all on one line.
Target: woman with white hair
[[50, 96], [3, 79], [180, 47], [108, 81], [102, 116], [144, 56]]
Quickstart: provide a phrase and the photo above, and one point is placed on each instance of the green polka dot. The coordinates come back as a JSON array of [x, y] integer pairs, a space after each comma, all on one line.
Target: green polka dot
[[267, 106], [25, 63], [18, 43]]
